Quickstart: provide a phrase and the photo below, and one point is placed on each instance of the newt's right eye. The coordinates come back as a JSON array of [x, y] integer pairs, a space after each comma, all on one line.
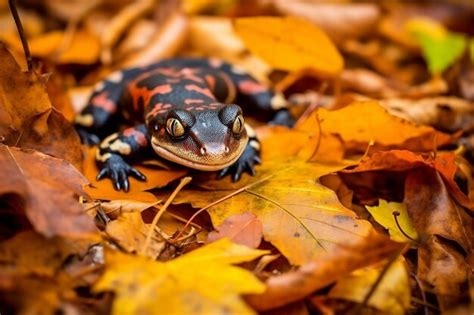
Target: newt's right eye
[[174, 128]]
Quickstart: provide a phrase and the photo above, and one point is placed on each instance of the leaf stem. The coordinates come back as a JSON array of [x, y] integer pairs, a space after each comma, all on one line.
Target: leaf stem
[[162, 210], [21, 32], [396, 214]]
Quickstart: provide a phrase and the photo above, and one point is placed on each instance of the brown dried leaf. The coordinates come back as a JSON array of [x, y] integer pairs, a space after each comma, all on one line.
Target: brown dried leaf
[[45, 191], [28, 119]]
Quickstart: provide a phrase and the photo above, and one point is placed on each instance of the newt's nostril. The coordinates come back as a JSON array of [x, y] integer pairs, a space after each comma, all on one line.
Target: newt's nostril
[[226, 149], [203, 150]]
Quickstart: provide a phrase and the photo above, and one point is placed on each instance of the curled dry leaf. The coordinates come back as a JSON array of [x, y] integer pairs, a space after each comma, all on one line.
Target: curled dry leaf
[[401, 161], [443, 221], [283, 43], [327, 268], [120, 23], [443, 113], [165, 43], [339, 21], [244, 229], [186, 285], [29, 119], [45, 191]]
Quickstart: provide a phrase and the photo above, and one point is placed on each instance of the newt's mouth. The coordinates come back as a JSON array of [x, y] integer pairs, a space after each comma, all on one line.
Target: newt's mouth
[[195, 161]]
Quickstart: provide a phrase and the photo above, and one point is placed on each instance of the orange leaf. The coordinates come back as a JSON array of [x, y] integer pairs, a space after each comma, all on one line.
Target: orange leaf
[[290, 43], [361, 123]]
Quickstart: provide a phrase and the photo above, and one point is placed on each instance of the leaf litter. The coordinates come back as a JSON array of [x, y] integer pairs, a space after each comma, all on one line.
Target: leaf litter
[[365, 205]]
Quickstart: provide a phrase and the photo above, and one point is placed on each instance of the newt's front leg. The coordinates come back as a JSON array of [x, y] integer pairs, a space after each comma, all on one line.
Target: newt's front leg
[[117, 150]]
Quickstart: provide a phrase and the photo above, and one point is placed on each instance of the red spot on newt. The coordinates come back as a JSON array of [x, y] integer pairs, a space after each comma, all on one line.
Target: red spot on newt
[[251, 87], [137, 135], [103, 102]]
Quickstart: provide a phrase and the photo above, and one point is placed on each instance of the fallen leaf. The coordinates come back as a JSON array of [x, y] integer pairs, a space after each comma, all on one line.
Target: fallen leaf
[[283, 43], [326, 269], [361, 123], [440, 48], [45, 190], [34, 279], [444, 113], [300, 217], [401, 161], [31, 122], [392, 295], [339, 20], [184, 285], [130, 232], [244, 229], [443, 222], [383, 214]]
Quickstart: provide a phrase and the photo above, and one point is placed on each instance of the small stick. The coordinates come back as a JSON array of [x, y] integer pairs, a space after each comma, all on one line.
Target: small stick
[[162, 210], [238, 191], [21, 32], [374, 287]]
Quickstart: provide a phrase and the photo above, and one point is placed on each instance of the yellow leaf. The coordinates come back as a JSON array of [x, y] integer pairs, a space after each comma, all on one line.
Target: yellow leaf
[[383, 214], [300, 217], [200, 282], [392, 295], [130, 232], [290, 43]]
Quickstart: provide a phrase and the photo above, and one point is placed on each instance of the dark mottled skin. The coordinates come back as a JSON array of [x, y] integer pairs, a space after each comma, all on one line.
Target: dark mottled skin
[[184, 110]]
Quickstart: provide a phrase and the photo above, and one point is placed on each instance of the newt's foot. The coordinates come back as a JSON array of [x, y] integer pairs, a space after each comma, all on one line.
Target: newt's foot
[[118, 171], [282, 118], [246, 162], [87, 137]]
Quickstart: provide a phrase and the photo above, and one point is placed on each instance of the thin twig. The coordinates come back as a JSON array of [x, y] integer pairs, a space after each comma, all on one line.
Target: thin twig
[[162, 210], [377, 282], [21, 32], [422, 292], [238, 191]]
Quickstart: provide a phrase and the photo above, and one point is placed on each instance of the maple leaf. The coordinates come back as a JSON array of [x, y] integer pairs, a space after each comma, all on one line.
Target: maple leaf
[[186, 285], [300, 217]]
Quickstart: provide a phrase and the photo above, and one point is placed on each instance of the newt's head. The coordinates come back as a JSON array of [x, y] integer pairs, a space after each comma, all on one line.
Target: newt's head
[[207, 140]]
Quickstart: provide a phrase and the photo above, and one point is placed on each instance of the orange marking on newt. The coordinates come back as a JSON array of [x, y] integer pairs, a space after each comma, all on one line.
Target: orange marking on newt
[[190, 101], [211, 82], [251, 87], [103, 102], [192, 87]]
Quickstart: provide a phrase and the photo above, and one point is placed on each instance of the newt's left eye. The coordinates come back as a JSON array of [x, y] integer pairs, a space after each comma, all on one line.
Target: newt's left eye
[[238, 125], [174, 127]]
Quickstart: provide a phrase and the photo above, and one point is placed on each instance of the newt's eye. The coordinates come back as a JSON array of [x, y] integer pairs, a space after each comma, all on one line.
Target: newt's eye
[[174, 127], [238, 125]]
